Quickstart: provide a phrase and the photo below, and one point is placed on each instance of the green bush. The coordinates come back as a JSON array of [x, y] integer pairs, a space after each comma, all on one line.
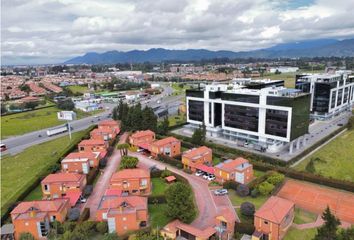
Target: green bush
[[165, 173], [276, 178], [128, 162], [254, 193], [157, 199], [110, 236], [84, 215], [26, 236], [265, 188], [230, 185], [102, 227], [244, 228], [68, 226]]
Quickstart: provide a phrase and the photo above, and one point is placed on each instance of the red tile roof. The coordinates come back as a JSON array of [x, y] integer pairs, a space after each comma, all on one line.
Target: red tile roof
[[230, 165], [170, 178], [108, 123], [139, 134], [80, 155], [53, 205], [205, 168], [197, 152], [201, 233], [274, 209], [63, 177], [73, 195], [130, 173], [92, 142], [113, 192], [165, 141], [111, 202], [102, 130]]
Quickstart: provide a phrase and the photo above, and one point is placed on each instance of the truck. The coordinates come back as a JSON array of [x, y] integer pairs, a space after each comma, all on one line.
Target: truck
[[57, 130]]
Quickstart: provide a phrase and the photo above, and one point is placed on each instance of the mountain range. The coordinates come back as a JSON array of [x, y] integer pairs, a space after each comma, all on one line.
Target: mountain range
[[310, 48]]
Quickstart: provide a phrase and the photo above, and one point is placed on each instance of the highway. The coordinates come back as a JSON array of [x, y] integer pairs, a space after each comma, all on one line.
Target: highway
[[18, 143]]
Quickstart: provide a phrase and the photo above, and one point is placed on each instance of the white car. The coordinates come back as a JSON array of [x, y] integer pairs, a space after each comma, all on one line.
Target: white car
[[199, 173], [211, 177], [205, 175], [220, 192]]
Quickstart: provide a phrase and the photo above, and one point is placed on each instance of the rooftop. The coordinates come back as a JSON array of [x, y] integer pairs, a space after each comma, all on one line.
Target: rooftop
[[196, 153], [274, 209], [89, 142], [231, 165], [130, 173], [165, 141], [63, 177], [53, 205], [115, 202], [139, 134]]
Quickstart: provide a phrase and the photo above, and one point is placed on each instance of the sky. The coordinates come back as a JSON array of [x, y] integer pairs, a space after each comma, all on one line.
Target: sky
[[52, 31]]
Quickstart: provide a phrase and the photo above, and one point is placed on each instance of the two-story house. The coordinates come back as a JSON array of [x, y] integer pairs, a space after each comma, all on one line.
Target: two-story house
[[133, 181], [80, 162], [169, 146], [195, 157], [238, 170], [142, 138]]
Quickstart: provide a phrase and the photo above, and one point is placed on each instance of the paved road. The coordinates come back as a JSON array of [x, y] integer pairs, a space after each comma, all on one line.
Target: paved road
[[103, 181], [19, 143], [208, 205]]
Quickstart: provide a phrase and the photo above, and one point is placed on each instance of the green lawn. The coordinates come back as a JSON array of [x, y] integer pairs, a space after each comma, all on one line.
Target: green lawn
[[258, 173], [336, 158], [158, 218], [296, 234], [20, 171], [216, 160], [21, 123], [178, 89], [177, 119], [237, 200], [302, 216], [158, 186], [78, 89], [36, 194]]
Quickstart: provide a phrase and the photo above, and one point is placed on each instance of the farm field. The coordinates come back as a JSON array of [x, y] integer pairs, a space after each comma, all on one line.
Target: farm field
[[335, 159], [78, 89], [20, 171]]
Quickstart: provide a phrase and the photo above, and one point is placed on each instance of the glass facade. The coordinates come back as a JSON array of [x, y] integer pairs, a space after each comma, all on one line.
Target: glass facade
[[195, 93], [276, 122], [339, 97], [241, 117], [214, 95], [217, 114], [321, 98], [240, 97], [196, 110]]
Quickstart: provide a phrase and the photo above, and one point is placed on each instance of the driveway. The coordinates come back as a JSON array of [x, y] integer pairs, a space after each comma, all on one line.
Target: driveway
[[208, 205], [103, 181]]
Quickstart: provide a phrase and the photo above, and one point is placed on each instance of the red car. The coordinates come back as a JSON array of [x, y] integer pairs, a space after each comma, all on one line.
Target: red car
[[3, 147]]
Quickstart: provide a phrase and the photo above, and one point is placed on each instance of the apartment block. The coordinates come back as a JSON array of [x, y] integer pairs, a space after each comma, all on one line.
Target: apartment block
[[261, 112]]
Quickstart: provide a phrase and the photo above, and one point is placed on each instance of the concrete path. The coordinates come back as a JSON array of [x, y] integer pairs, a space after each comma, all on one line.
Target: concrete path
[[208, 204], [103, 181]]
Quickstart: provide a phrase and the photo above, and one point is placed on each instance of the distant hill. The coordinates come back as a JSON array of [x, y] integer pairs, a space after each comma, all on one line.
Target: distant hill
[[312, 48]]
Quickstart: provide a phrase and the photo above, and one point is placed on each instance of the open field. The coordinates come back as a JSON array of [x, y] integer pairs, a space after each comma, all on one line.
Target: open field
[[158, 218], [159, 186], [21, 123], [78, 89], [20, 171], [296, 234], [336, 158]]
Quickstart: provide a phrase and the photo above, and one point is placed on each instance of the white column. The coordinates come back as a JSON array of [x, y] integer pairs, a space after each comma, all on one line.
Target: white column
[[298, 143], [291, 148]]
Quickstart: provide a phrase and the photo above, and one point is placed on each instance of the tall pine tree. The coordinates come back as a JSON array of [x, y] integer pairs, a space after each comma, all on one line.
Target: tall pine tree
[[328, 231]]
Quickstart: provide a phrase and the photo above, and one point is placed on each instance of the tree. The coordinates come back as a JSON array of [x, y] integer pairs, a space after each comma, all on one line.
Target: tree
[[128, 162], [68, 226], [180, 202], [242, 190], [163, 126], [328, 231], [199, 135], [26, 236], [25, 88], [31, 105], [123, 149], [265, 188], [346, 234], [275, 178], [66, 105], [102, 227], [247, 209], [310, 166]]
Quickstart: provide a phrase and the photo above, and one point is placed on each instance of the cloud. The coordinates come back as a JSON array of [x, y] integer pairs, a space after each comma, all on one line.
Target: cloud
[[52, 31]]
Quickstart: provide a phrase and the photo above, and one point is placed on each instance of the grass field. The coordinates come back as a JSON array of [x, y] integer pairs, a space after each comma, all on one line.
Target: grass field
[[78, 89], [179, 88], [237, 200], [158, 218], [20, 171], [336, 158], [158, 186], [21, 123], [302, 216], [177, 119], [36, 194], [296, 234]]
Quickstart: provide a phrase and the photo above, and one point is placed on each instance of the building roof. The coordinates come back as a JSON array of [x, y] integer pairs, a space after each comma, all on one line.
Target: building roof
[[53, 205], [103, 129], [274, 209], [196, 153], [140, 134], [108, 123], [90, 142], [165, 141], [201, 233], [205, 168], [130, 173], [63, 177], [113, 192], [231, 165], [73, 195], [115, 202], [81, 155], [170, 178]]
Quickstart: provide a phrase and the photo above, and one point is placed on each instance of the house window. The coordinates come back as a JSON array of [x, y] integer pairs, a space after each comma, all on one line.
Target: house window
[[82, 148], [53, 218], [46, 188], [104, 215], [124, 219], [265, 222], [65, 166], [143, 182]]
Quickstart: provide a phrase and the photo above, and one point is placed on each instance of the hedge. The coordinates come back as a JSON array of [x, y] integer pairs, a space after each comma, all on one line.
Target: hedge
[[244, 228], [170, 161], [11, 205]]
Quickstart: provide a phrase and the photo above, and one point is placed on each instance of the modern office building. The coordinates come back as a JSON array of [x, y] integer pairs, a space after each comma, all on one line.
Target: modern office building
[[267, 116], [331, 94]]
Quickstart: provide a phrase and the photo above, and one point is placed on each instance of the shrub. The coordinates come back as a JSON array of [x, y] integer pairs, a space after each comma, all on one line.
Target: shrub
[[86, 228], [165, 173], [57, 227], [265, 188], [88, 190], [110, 236], [26, 236], [275, 178], [74, 214], [102, 227], [244, 228], [254, 193], [230, 185], [103, 163], [157, 199], [242, 190], [128, 162], [68, 226], [247, 209]]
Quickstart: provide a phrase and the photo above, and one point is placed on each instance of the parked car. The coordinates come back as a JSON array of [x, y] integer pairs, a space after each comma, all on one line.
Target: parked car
[[199, 173], [82, 199], [220, 192], [211, 177], [205, 175], [3, 147]]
